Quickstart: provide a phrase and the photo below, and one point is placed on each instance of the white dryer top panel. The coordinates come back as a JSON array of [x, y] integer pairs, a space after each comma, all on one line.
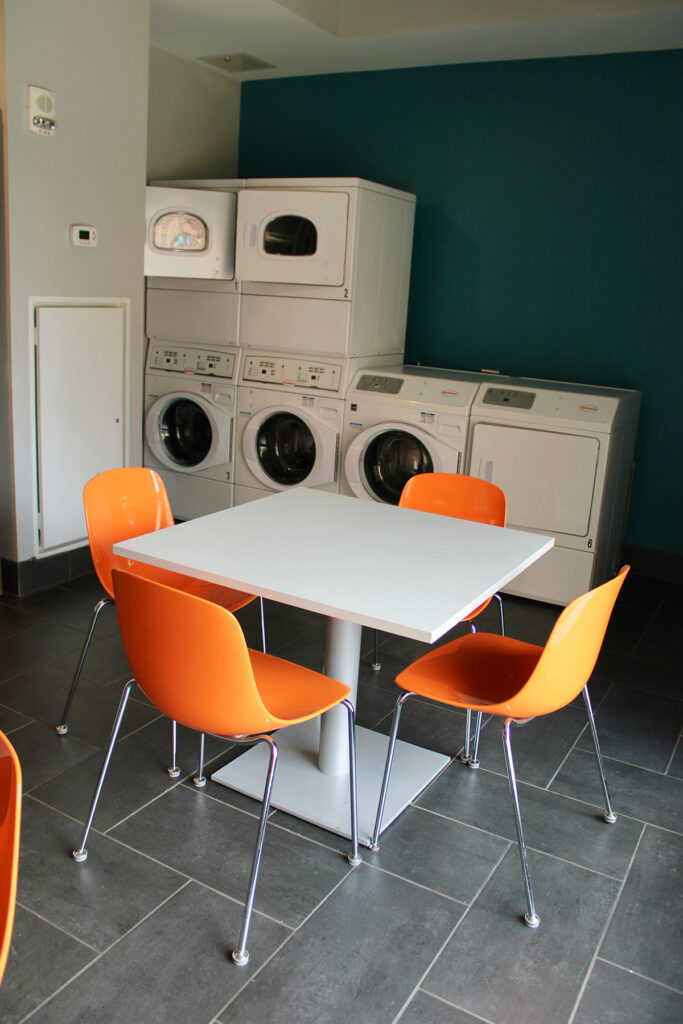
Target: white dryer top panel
[[395, 389], [587, 412]]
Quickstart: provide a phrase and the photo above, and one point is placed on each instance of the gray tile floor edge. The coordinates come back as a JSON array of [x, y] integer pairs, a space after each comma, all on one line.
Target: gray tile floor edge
[[394, 920]]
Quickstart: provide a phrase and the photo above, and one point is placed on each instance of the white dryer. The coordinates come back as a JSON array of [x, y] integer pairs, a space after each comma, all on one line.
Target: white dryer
[[290, 415], [404, 421], [189, 425], [563, 454]]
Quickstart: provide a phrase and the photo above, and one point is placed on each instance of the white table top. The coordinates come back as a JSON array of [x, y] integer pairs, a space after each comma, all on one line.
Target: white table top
[[411, 573]]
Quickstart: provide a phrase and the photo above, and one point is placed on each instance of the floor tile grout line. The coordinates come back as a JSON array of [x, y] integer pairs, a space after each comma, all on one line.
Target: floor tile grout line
[[443, 1002], [103, 953], [608, 922], [59, 928], [289, 939], [673, 755], [639, 974], [653, 615]]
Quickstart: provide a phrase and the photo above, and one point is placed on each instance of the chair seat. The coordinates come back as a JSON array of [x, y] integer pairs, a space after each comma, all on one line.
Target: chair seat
[[291, 692], [480, 671]]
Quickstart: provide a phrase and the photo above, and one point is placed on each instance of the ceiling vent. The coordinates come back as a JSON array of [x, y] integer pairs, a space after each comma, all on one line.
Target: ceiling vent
[[236, 63]]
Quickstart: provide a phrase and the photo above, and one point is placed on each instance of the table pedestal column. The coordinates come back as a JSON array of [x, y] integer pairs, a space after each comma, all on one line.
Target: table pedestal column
[[342, 655]]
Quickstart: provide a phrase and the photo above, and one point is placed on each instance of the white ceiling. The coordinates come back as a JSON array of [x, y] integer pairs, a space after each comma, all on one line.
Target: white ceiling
[[310, 37]]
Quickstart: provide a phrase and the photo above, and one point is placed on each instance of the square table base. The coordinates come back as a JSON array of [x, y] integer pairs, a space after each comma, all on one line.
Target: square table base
[[302, 790]]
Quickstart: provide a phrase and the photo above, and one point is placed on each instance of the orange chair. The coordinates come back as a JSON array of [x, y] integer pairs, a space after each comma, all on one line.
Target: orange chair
[[463, 497], [517, 681], [124, 503], [10, 821], [190, 659]]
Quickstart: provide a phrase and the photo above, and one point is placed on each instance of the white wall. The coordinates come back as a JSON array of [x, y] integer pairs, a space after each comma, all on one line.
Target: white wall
[[193, 120], [94, 57]]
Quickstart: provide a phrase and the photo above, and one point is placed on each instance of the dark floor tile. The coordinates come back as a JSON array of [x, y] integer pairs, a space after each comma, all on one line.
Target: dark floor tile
[[637, 727], [531, 621], [358, 958], [568, 829], [430, 725], [637, 792], [214, 844], [70, 608], [662, 642], [616, 996], [646, 932], [675, 769], [45, 756], [497, 968], [32, 975], [137, 773], [424, 1009], [173, 969], [105, 662], [42, 692], [642, 675], [13, 619], [97, 901], [44, 642], [11, 720], [539, 747], [438, 853]]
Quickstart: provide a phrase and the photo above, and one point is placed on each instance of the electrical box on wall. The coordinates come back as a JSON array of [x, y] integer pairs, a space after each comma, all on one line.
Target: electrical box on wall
[[41, 111]]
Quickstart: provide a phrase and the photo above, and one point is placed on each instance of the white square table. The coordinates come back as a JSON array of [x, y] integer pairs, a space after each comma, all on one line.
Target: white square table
[[358, 563]]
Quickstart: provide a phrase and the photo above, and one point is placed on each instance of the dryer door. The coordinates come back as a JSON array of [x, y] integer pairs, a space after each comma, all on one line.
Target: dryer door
[[381, 460], [183, 432], [291, 237], [284, 447]]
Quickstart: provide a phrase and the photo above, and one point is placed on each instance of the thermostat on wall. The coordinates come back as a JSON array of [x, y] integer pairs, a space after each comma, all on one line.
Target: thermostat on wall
[[83, 234]]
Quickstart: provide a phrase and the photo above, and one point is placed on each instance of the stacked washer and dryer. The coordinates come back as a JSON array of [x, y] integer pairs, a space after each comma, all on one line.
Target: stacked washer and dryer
[[563, 454], [308, 283]]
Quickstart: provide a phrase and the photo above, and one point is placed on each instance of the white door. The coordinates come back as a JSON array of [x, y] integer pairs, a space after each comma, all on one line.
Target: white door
[[548, 477], [79, 411], [291, 237]]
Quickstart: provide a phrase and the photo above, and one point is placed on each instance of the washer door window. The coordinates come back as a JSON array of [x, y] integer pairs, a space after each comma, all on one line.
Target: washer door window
[[390, 460], [380, 460], [285, 448], [183, 433]]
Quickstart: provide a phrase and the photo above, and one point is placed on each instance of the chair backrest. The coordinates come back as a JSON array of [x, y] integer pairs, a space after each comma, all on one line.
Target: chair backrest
[[119, 504], [571, 651], [453, 494], [189, 657], [10, 820]]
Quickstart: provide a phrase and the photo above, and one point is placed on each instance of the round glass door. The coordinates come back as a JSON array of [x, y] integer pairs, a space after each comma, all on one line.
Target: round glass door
[[285, 448], [185, 432], [390, 460]]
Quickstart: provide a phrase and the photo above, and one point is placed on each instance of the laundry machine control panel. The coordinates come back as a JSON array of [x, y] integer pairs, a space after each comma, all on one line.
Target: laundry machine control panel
[[507, 396], [379, 384], [292, 372], [202, 361]]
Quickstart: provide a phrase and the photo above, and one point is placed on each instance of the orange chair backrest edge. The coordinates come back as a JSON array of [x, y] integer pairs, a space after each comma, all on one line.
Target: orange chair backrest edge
[[119, 504], [570, 654], [189, 657], [10, 820], [457, 495]]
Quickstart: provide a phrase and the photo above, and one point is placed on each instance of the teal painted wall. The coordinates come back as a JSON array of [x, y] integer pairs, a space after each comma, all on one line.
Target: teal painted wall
[[548, 222]]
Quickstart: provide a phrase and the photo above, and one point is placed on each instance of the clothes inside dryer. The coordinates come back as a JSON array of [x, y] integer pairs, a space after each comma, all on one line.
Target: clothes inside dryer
[[390, 459], [285, 448]]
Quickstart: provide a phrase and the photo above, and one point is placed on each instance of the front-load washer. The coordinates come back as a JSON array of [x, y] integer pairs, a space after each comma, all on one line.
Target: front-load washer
[[189, 425], [290, 414], [563, 454], [404, 421]]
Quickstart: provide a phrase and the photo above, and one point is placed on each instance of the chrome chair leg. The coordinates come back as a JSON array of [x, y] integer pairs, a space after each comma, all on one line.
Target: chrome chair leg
[[471, 759], [464, 754], [200, 779], [376, 665], [263, 625], [609, 814], [374, 845], [499, 599], [173, 770], [81, 853], [354, 857], [63, 728], [474, 761], [240, 956], [531, 918]]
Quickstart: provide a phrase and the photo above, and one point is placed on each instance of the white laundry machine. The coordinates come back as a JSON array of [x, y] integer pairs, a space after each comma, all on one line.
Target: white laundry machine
[[563, 454], [189, 424], [324, 266], [403, 421], [290, 415]]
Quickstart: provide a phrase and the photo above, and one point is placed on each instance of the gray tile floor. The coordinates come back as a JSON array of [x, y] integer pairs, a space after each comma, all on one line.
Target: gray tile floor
[[428, 930]]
